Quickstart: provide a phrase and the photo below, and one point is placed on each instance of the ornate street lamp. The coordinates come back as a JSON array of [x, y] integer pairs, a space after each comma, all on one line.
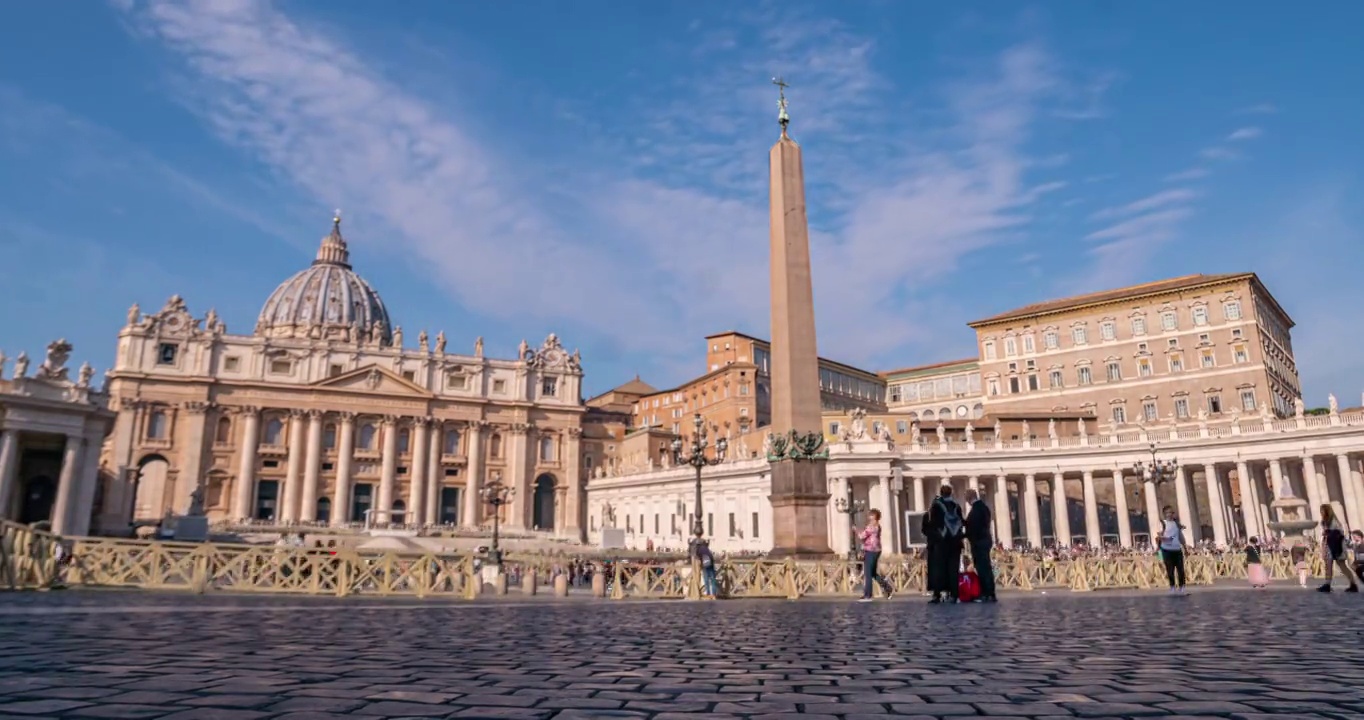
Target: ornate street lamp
[[850, 507], [497, 495], [1156, 471], [695, 456]]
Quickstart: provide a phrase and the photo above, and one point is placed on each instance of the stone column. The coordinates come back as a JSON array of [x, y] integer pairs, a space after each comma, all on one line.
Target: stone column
[[196, 419], [345, 463], [1348, 492], [87, 483], [244, 488], [1060, 512], [1093, 536], [67, 492], [435, 475], [474, 483], [973, 483], [293, 474], [1217, 506], [114, 516], [1004, 529], [1121, 509], [312, 468], [1248, 500], [388, 470], [519, 458], [572, 464], [9, 468], [1184, 503], [1032, 516], [1155, 521], [1315, 496], [890, 540], [918, 499], [1276, 480], [416, 472]]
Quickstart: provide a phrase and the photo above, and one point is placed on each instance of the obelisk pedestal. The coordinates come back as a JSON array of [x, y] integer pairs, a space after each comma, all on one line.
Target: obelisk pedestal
[[800, 488]]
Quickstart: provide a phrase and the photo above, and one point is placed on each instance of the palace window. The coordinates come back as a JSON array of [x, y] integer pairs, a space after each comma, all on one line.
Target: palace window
[[456, 381], [1029, 345], [901, 427], [404, 439], [1013, 385], [1200, 315], [1169, 321], [1248, 400], [166, 353], [1108, 331], [549, 387], [733, 526], [1148, 410], [1138, 326], [1232, 310], [1208, 359], [1010, 347], [1051, 340], [1182, 408], [1214, 404], [755, 526], [1114, 372], [546, 449], [1176, 363], [329, 436], [232, 363], [993, 385], [410, 375], [894, 393], [450, 445], [495, 446], [1240, 355], [1144, 367], [367, 437], [1078, 335], [222, 435], [157, 427], [500, 386], [1119, 414], [1032, 384], [743, 389], [989, 350], [281, 367], [833, 428], [274, 432], [1083, 375], [1054, 379], [335, 369]]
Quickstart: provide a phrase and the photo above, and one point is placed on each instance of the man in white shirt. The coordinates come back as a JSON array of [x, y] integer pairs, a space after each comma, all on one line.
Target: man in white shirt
[[1172, 551]]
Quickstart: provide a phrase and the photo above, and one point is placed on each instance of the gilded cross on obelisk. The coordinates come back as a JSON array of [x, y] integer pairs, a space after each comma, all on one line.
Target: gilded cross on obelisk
[[782, 117]]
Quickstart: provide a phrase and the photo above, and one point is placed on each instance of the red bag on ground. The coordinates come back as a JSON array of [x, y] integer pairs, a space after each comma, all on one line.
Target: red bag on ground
[[968, 587]]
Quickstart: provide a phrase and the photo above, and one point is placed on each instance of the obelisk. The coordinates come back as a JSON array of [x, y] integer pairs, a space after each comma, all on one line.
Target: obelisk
[[800, 492]]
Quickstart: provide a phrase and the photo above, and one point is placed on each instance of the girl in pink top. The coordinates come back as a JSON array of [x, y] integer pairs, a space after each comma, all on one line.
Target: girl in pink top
[[871, 553]]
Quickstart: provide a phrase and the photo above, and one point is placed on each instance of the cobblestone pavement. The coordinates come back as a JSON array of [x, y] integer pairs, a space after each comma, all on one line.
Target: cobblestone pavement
[[1218, 653]]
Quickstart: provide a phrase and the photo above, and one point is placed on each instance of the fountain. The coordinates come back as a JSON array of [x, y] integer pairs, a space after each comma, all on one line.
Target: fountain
[[1293, 518]]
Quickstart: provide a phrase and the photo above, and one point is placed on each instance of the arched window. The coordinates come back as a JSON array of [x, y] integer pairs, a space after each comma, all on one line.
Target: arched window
[[366, 441], [495, 446], [274, 432], [451, 444], [928, 415], [156, 425], [223, 434], [546, 449], [978, 411]]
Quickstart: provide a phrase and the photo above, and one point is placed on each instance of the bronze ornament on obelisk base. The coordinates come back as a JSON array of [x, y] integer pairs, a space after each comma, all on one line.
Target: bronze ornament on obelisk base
[[795, 447]]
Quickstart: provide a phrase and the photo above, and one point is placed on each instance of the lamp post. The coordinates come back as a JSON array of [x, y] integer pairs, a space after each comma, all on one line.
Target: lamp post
[[695, 456], [1157, 472], [497, 495], [850, 507]]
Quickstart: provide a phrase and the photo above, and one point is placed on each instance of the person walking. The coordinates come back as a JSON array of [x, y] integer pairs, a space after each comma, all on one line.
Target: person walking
[[871, 554], [979, 538], [1255, 569], [1333, 547], [944, 528], [1172, 552]]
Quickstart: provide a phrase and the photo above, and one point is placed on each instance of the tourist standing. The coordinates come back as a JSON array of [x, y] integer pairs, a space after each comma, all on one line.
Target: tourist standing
[[1255, 570], [1357, 541], [871, 554], [1172, 551], [978, 535], [944, 528], [700, 549], [1333, 548]]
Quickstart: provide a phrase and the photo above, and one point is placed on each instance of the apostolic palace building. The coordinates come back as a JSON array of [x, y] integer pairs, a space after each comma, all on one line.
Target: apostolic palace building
[[328, 417]]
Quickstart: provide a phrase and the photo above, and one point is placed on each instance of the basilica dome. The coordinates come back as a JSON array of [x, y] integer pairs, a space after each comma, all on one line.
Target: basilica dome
[[327, 301]]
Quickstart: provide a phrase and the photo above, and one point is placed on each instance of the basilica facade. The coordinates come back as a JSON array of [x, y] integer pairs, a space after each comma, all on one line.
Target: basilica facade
[[326, 414]]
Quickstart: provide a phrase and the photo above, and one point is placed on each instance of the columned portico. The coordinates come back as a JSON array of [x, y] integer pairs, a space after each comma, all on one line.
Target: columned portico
[[345, 465], [416, 472], [474, 483], [1031, 510], [312, 468], [245, 483]]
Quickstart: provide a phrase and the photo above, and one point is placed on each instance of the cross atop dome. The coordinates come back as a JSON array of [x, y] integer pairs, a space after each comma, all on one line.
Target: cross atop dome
[[333, 250]]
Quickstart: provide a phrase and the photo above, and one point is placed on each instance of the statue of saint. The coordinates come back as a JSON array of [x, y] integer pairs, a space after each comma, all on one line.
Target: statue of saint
[[1051, 428], [398, 337], [1298, 409], [522, 349], [211, 320], [134, 314], [970, 431], [942, 434], [21, 365], [85, 374], [1331, 402], [999, 430], [478, 346], [440, 342]]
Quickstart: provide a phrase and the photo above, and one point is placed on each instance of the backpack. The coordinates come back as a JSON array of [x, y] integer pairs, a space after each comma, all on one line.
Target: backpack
[[953, 525]]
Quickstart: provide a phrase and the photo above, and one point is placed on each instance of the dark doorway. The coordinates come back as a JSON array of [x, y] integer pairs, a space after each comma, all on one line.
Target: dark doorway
[[398, 516], [542, 512], [362, 502], [267, 499], [40, 492], [449, 506], [324, 510]]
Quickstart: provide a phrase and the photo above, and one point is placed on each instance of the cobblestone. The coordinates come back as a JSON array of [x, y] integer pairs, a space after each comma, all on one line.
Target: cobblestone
[[1219, 653]]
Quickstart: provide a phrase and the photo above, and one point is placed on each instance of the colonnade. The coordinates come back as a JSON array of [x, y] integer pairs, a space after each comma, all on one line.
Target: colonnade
[[77, 480]]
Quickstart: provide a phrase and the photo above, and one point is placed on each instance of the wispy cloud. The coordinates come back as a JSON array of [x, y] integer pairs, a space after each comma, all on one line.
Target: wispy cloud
[[1144, 205], [1217, 152], [1193, 173], [1245, 133]]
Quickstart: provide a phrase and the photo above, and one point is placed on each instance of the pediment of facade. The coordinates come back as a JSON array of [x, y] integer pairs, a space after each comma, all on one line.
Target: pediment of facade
[[376, 380]]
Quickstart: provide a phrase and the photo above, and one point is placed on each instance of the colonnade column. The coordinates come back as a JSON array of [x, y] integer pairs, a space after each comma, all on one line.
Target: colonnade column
[[245, 488], [1155, 521], [1093, 536], [9, 466], [918, 494], [312, 468], [1004, 530], [1315, 496], [1249, 502], [474, 450], [1060, 510], [62, 509], [416, 472], [1184, 501], [1031, 517], [293, 476], [196, 419], [572, 464], [388, 470], [435, 477], [523, 497], [891, 521], [1217, 507], [1120, 507], [1276, 479], [345, 459], [1348, 491], [87, 484]]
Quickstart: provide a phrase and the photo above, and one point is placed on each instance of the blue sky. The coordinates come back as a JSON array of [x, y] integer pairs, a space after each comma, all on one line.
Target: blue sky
[[599, 169]]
